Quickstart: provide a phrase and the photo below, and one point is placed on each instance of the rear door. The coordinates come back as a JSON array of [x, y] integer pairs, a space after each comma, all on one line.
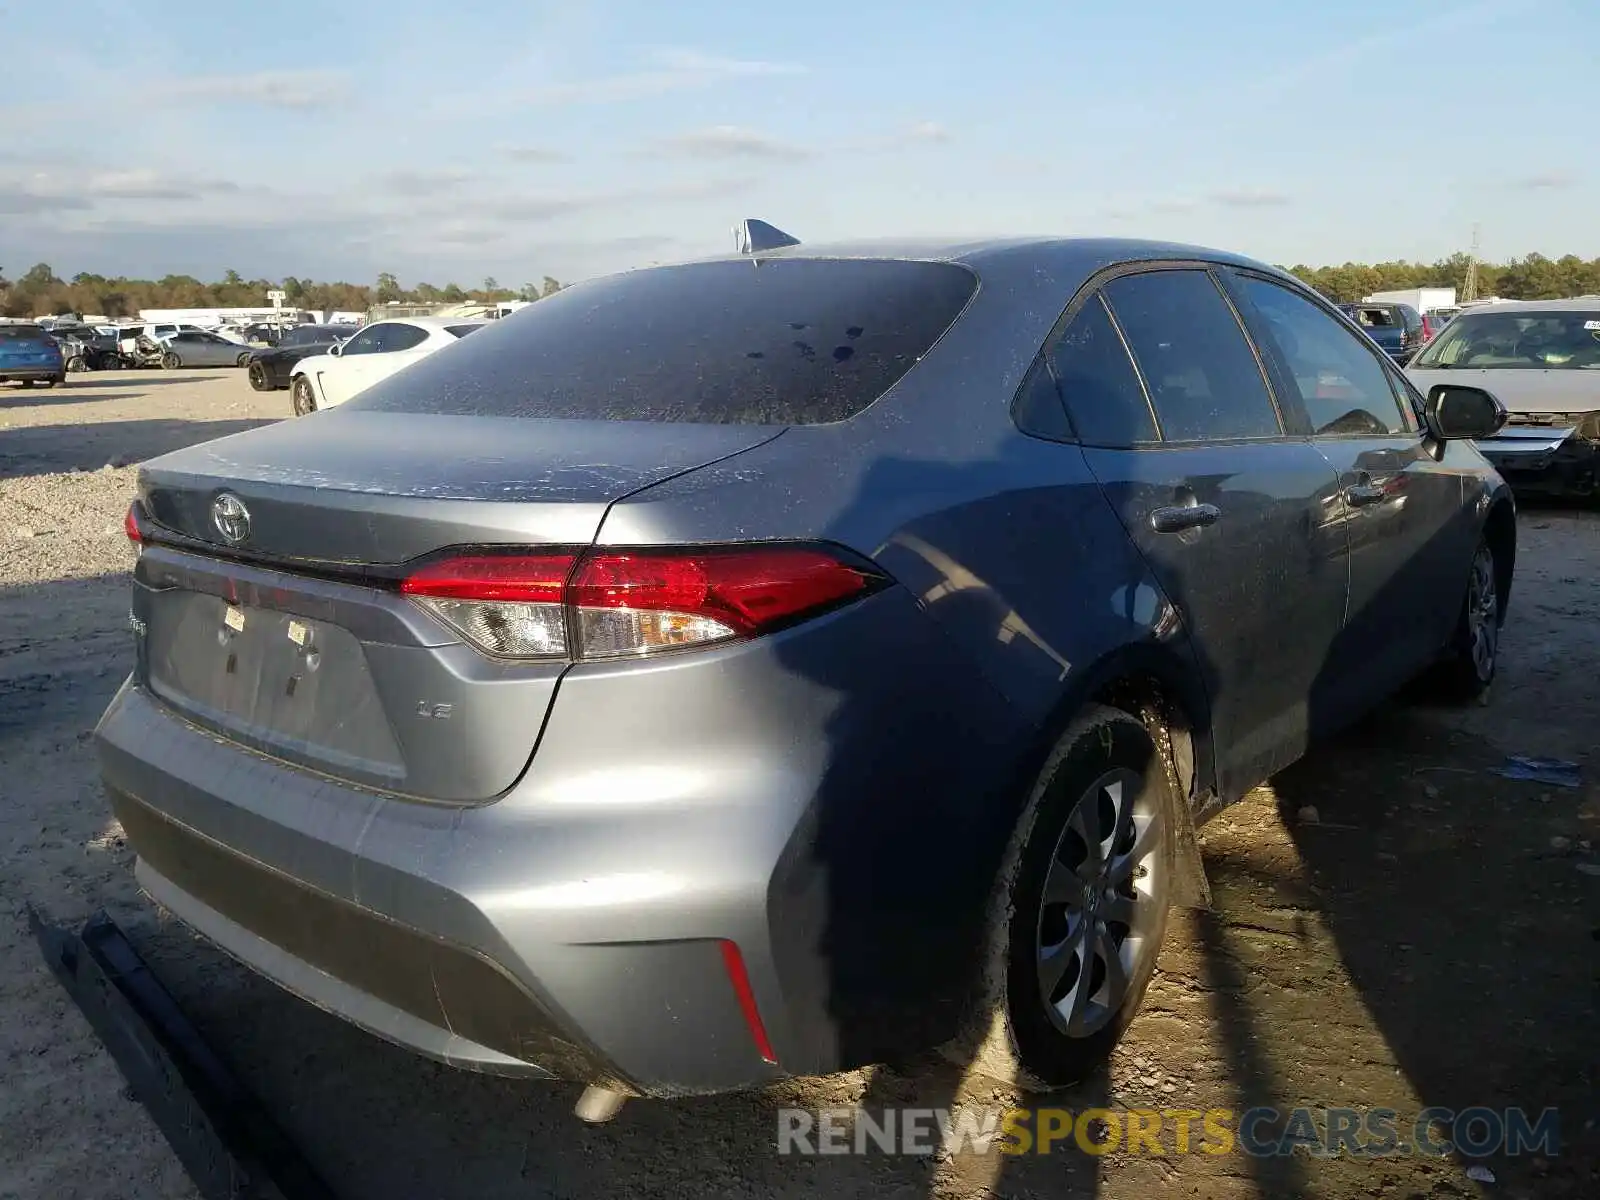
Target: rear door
[[1401, 507], [1231, 512]]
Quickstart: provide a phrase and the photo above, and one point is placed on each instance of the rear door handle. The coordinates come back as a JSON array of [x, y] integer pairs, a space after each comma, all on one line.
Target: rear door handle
[[1175, 518], [1359, 494]]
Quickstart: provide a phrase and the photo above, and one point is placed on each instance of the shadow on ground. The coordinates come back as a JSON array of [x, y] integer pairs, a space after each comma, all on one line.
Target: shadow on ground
[[132, 378]]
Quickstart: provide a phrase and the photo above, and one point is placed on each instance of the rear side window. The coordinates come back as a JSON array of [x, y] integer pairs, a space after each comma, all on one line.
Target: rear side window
[[1099, 383], [1037, 409], [781, 342], [460, 331], [1202, 376]]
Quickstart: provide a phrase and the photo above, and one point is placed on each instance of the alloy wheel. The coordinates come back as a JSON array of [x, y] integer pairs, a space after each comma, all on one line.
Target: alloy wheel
[[1104, 891], [1483, 614]]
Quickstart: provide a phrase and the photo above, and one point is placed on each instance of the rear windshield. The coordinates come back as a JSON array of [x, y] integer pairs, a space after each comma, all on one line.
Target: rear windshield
[[21, 331], [780, 342], [1517, 341], [1379, 318]]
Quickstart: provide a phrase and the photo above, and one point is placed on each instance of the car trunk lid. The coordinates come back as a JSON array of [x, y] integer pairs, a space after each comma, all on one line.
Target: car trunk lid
[[293, 639]]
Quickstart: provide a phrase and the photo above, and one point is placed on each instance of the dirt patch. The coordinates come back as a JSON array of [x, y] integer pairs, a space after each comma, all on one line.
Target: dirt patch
[[1394, 926]]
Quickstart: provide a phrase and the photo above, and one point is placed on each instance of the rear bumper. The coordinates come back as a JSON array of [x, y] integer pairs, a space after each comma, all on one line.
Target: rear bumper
[[1543, 460], [32, 374], [829, 818]]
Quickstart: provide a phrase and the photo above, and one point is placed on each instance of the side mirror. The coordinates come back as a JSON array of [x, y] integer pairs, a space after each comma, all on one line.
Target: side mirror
[[336, 349], [1456, 411]]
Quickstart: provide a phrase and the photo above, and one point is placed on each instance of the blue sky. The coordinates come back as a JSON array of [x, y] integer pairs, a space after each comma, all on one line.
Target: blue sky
[[518, 139]]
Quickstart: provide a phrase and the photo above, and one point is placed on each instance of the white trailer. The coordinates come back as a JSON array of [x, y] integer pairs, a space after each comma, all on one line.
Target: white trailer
[[212, 318], [1422, 299]]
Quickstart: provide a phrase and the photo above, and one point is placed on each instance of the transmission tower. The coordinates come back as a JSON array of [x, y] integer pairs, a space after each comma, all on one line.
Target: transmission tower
[[1469, 289]]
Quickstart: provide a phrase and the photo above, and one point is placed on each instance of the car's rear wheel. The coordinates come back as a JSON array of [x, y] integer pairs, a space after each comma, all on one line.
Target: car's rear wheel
[[76, 364], [1081, 907], [27, 383], [305, 400], [171, 361], [1473, 655], [258, 377], [243, 360]]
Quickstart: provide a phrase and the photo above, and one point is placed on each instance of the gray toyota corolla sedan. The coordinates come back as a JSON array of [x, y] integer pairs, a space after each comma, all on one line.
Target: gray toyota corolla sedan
[[774, 664]]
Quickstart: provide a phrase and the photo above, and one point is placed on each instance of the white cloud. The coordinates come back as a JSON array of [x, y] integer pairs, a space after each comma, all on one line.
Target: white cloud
[[429, 182], [1548, 181], [730, 141], [535, 154], [284, 89], [145, 184], [1250, 198], [928, 131], [45, 189], [670, 70]]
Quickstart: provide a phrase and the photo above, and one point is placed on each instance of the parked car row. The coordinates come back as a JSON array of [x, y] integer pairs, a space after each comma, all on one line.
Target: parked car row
[[847, 647]]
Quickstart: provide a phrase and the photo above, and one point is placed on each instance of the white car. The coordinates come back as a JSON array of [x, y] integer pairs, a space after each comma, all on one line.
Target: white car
[[377, 352], [1541, 359]]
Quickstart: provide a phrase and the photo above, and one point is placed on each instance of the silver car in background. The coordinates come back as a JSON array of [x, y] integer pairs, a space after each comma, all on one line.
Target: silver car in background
[[1541, 359], [200, 348]]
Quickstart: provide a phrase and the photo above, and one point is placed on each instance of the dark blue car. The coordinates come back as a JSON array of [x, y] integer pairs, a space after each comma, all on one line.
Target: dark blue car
[[29, 355], [772, 664], [1398, 328]]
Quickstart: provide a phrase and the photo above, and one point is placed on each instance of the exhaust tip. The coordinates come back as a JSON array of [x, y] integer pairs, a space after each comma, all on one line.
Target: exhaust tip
[[598, 1105]]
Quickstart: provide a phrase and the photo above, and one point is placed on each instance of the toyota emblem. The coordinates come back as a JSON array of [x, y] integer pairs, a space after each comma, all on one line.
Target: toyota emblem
[[231, 518]]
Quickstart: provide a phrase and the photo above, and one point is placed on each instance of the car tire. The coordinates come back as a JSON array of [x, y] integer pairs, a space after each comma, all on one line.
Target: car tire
[[243, 360], [171, 361], [76, 364], [27, 383], [1080, 908], [258, 377], [1473, 654], [302, 397]]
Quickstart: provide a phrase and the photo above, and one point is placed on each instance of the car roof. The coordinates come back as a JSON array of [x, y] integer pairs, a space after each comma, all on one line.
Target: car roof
[[976, 251], [435, 323], [1574, 304]]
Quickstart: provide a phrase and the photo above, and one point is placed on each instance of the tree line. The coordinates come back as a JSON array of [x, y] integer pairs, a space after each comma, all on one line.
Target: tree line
[[40, 292], [1534, 277]]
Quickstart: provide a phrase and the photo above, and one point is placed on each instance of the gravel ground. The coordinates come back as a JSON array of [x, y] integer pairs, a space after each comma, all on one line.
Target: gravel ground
[[1394, 925]]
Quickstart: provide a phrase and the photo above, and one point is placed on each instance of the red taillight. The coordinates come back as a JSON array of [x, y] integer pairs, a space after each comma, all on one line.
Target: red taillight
[[613, 603], [733, 963], [130, 525], [528, 578], [750, 590]]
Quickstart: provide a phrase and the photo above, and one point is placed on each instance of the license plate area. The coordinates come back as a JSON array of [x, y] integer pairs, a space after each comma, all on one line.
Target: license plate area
[[285, 684]]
